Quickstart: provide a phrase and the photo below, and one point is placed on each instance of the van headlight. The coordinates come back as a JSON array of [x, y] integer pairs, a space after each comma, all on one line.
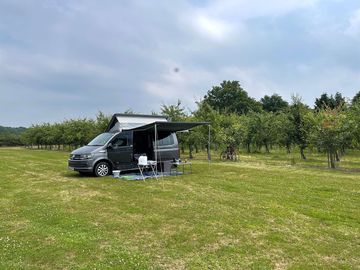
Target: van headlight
[[86, 156], [81, 157]]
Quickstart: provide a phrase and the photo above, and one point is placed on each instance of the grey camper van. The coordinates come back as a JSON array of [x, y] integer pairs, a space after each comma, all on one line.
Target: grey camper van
[[125, 139]]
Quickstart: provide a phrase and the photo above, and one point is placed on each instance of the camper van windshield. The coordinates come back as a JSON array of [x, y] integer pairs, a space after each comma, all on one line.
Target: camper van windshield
[[101, 139]]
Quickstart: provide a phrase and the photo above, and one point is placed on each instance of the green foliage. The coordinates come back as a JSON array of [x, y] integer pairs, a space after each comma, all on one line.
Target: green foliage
[[330, 131], [298, 111], [174, 112], [356, 98], [354, 122], [331, 101], [72, 132], [10, 136], [273, 103], [102, 121], [230, 97]]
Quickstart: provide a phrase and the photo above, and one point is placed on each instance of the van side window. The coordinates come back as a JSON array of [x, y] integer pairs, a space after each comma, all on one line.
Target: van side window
[[169, 140], [120, 141]]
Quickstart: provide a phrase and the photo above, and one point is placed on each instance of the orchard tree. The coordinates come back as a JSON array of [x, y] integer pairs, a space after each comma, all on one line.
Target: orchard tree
[[175, 112], [325, 101], [205, 113], [285, 130], [230, 97], [354, 122], [330, 132], [356, 98], [298, 110], [230, 132], [273, 103], [101, 122]]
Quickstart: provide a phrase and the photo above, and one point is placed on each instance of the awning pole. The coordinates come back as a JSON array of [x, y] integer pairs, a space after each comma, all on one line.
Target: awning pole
[[156, 147], [209, 155]]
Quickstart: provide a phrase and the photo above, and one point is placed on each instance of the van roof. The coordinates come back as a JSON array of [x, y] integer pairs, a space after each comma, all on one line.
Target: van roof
[[121, 121], [139, 122]]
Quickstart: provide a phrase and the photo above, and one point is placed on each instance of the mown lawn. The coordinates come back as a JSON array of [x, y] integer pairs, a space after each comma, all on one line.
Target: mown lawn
[[262, 212]]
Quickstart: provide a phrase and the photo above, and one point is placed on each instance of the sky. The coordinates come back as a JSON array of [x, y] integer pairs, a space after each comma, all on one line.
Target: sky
[[63, 59]]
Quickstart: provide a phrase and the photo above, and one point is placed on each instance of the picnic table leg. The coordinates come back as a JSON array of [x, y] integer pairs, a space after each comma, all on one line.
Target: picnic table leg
[[153, 169], [141, 172]]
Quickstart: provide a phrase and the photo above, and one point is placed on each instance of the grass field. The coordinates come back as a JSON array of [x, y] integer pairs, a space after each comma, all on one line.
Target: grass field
[[262, 212]]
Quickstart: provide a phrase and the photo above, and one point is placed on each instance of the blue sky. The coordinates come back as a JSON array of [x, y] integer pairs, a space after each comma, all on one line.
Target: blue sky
[[64, 59]]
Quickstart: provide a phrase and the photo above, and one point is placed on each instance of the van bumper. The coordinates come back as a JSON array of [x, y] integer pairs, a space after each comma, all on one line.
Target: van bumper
[[80, 165]]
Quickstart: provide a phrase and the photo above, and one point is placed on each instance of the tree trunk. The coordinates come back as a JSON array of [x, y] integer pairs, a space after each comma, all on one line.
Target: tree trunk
[[332, 160], [337, 156], [196, 149], [208, 152], [190, 151], [267, 148], [302, 153], [248, 148], [328, 158], [288, 149]]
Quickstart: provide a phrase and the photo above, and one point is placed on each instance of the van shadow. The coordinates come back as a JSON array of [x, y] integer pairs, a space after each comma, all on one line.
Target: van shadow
[[73, 175]]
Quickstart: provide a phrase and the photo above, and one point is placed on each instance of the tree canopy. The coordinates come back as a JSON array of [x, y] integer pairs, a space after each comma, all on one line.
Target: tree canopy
[[230, 97], [273, 103], [325, 101]]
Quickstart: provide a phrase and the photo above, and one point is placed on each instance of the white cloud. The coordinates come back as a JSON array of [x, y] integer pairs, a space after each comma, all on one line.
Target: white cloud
[[353, 29], [215, 29], [245, 9], [224, 20]]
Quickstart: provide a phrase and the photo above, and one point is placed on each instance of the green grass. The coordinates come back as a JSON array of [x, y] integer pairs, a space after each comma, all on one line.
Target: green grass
[[258, 213]]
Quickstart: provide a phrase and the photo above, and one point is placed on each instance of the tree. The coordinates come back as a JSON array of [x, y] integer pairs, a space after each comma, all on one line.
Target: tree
[[331, 101], [102, 121], [230, 132], [322, 102], [174, 112], [298, 111], [273, 103], [230, 97], [285, 130], [261, 130], [354, 122], [330, 132], [205, 113], [356, 98]]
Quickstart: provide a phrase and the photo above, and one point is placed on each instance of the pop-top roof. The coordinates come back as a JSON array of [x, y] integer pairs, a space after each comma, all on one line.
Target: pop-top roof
[[136, 122], [130, 121]]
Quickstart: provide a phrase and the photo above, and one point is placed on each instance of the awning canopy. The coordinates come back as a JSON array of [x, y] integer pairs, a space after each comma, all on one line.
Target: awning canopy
[[169, 126]]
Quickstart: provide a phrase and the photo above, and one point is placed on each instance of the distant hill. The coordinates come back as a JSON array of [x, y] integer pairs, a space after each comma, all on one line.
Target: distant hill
[[13, 130], [11, 136]]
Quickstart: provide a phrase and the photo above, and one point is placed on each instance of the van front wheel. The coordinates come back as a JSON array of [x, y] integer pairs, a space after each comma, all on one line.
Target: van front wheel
[[102, 169]]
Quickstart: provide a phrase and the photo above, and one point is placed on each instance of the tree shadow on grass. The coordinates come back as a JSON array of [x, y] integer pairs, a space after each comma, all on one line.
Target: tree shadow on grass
[[339, 169]]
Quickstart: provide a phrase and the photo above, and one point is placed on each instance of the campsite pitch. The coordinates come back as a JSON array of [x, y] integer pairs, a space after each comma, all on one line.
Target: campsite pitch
[[262, 212]]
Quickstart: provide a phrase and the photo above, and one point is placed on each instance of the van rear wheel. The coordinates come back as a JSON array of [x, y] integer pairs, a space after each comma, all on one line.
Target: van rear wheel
[[102, 169]]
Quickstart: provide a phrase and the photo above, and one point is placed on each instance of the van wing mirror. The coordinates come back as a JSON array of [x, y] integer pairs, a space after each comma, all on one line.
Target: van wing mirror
[[110, 145]]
